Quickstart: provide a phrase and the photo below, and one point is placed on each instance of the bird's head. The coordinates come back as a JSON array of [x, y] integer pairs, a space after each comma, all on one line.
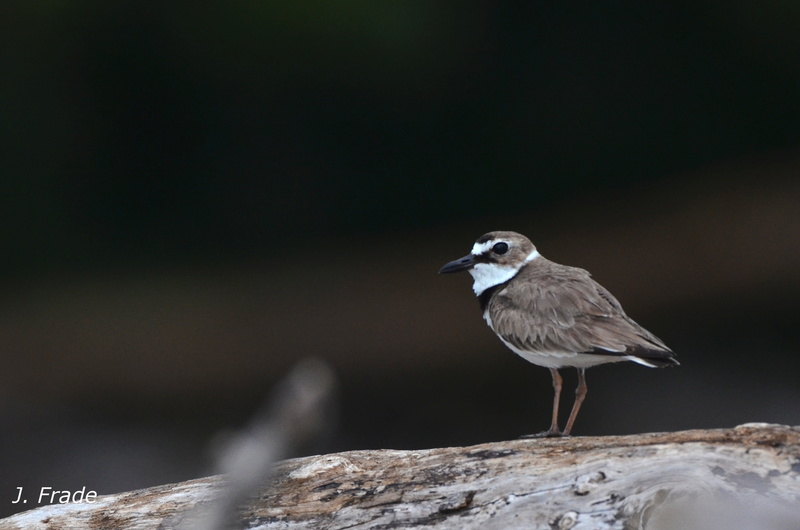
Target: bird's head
[[495, 258]]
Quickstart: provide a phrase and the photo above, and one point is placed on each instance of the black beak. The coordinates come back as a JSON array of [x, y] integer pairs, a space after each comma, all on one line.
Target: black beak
[[463, 264]]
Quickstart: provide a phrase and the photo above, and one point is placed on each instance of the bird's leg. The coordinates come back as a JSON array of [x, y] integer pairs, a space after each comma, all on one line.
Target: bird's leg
[[553, 431], [580, 395]]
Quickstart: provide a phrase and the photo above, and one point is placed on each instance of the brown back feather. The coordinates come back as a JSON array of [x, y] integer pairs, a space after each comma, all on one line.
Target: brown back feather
[[554, 308]]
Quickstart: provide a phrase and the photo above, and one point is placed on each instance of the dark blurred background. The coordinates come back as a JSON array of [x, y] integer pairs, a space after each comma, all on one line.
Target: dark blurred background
[[196, 196]]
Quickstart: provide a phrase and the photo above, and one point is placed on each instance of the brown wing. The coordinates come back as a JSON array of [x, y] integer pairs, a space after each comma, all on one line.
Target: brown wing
[[564, 310]]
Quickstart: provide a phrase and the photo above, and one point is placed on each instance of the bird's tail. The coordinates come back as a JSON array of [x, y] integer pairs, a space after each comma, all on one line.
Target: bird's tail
[[660, 359]]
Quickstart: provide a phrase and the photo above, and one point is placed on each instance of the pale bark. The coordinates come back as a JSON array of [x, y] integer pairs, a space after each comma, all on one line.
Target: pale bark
[[747, 477]]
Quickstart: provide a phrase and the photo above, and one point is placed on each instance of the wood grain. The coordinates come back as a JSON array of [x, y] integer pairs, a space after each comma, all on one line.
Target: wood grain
[[749, 475]]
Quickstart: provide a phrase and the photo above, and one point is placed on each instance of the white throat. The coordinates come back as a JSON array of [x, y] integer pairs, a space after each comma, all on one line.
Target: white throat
[[486, 275]]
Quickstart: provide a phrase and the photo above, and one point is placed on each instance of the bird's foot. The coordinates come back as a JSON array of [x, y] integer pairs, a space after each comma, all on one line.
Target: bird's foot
[[550, 433]]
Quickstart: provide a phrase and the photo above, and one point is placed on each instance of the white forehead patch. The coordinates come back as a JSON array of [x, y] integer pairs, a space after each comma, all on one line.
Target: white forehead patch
[[480, 248]]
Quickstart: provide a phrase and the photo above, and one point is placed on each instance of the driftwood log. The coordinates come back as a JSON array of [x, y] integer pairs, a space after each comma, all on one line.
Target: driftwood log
[[747, 477]]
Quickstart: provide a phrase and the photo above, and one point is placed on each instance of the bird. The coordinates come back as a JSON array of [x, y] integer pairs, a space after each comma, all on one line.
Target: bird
[[553, 315]]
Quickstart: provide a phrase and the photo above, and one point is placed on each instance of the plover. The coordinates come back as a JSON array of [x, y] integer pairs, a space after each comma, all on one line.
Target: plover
[[553, 315]]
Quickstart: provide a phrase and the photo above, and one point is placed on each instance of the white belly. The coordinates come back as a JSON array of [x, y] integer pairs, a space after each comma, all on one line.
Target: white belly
[[562, 359]]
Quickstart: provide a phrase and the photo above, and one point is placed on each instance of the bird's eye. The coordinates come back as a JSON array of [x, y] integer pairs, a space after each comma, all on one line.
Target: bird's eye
[[500, 248]]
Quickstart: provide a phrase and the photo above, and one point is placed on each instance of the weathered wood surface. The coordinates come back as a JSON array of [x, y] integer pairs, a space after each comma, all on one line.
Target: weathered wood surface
[[746, 477]]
